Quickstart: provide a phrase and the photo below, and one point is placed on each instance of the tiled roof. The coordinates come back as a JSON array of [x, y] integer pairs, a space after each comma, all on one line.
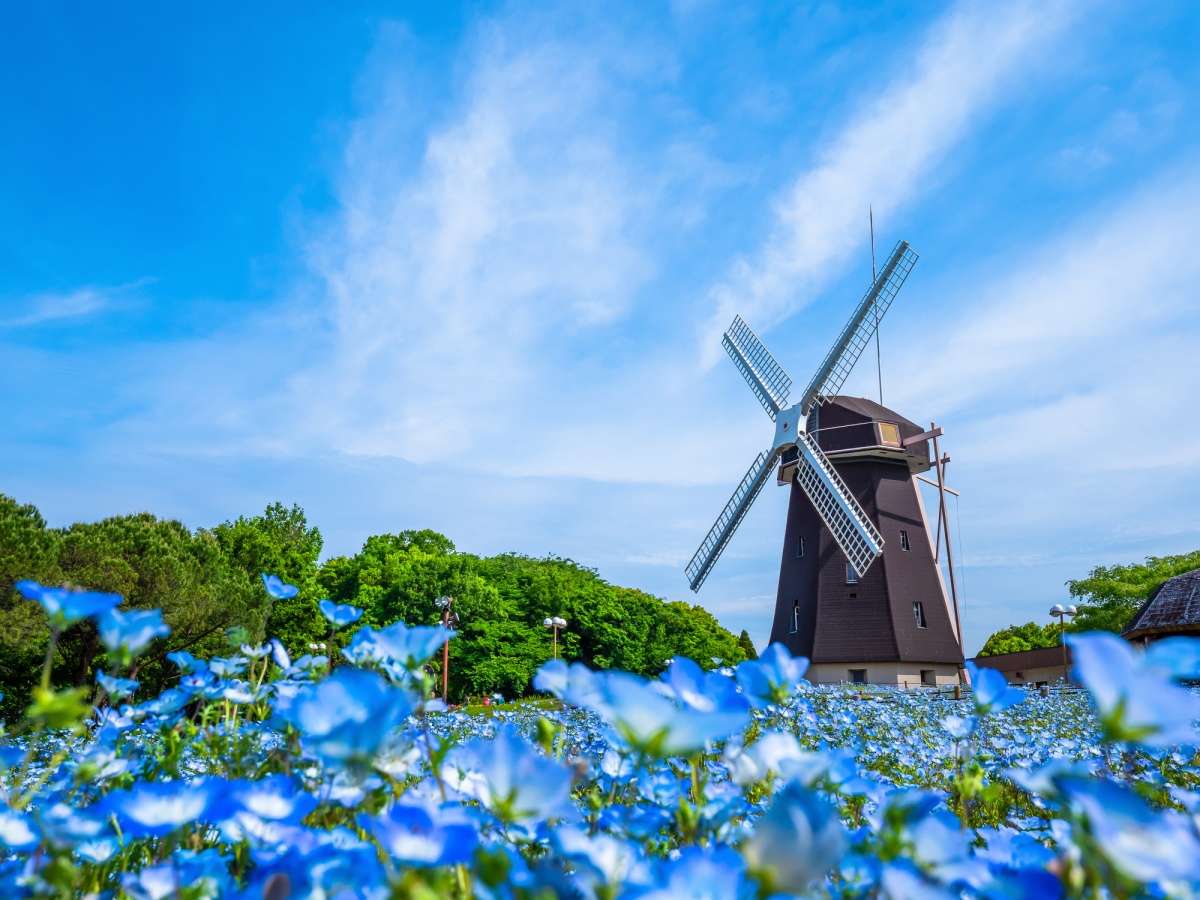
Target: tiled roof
[[1175, 606]]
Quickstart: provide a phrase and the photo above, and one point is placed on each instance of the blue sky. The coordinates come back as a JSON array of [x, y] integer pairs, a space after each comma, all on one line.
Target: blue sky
[[466, 267]]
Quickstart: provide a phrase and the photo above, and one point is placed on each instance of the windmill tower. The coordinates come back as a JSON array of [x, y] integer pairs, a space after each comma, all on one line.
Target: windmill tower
[[861, 592]]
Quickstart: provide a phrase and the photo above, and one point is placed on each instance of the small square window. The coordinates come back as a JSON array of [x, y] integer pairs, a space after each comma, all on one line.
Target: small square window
[[904, 541], [928, 676], [858, 676], [800, 548], [795, 617], [889, 434], [851, 575], [919, 614], [853, 595]]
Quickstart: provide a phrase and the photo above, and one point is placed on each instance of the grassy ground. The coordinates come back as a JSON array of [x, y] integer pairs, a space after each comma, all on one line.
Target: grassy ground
[[478, 709]]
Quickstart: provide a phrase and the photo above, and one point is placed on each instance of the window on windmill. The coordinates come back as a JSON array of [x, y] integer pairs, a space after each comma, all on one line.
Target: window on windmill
[[851, 575], [904, 541], [919, 614], [889, 434], [800, 548], [795, 617]]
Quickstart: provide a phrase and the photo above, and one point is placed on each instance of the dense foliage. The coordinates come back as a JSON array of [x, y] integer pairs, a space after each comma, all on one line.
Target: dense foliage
[[1106, 600], [206, 582], [266, 777], [1110, 595], [1030, 636]]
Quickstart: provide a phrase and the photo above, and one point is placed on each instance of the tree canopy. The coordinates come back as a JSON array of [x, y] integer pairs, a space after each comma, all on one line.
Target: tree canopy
[[1030, 636], [1110, 595], [207, 584]]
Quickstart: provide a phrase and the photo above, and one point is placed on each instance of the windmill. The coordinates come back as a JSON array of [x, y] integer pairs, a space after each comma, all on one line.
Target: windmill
[[853, 466]]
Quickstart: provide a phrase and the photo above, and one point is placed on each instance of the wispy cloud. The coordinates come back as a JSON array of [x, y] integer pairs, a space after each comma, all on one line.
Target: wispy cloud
[[887, 155], [45, 308]]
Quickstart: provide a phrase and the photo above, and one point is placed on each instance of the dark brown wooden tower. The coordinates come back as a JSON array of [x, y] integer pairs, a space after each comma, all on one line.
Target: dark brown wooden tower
[[894, 624]]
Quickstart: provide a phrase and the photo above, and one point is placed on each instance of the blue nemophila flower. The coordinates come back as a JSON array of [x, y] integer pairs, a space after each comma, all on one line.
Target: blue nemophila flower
[[339, 614], [16, 831], [690, 685], [654, 726], [1136, 698], [992, 691], [772, 679], [279, 654], [1144, 843], [798, 839], [700, 874], [278, 798], [422, 836], [116, 688], [960, 727], [277, 589], [187, 663], [603, 864], [129, 633], [409, 648], [346, 717], [157, 808], [65, 606], [517, 783]]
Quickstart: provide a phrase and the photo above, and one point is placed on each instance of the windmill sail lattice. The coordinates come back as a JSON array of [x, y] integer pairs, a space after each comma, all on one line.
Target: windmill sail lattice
[[765, 376], [731, 516], [850, 526], [858, 331]]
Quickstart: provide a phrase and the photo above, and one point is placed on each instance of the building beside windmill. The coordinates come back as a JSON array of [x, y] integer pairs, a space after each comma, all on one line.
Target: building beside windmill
[[1173, 609]]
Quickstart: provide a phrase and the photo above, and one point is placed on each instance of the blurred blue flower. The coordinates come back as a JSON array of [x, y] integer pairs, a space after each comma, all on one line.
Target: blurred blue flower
[[773, 678], [17, 831], [685, 682], [65, 606], [960, 727], [347, 716], [129, 633], [157, 808], [700, 874], [339, 614], [187, 663], [409, 648], [798, 839], [992, 691], [116, 688], [1136, 698], [511, 779], [277, 589], [418, 836]]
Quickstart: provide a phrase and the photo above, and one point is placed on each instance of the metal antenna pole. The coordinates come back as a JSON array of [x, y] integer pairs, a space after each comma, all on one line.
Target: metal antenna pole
[[945, 522], [874, 275]]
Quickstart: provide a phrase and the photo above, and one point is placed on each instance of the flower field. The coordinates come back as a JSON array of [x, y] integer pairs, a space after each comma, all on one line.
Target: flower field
[[262, 776]]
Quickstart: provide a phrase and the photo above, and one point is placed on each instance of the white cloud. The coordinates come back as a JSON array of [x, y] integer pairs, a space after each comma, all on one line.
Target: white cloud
[[888, 155], [44, 308]]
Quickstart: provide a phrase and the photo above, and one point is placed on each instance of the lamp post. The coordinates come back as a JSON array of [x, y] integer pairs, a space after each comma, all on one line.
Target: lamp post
[[554, 624], [448, 618], [1060, 612]]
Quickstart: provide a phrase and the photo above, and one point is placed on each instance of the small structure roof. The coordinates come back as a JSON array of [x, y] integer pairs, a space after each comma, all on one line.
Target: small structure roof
[[1173, 607]]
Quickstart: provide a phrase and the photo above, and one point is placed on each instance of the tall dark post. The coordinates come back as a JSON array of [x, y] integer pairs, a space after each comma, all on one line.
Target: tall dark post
[[446, 650]]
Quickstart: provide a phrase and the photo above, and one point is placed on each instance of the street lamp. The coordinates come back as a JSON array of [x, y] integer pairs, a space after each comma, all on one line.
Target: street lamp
[[448, 618], [1059, 612], [555, 624]]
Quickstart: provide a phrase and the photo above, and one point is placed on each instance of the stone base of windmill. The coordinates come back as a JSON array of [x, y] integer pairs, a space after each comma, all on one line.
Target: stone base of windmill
[[895, 674]]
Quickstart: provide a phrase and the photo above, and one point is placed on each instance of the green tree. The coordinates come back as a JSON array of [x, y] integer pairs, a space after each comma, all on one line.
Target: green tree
[[28, 549], [154, 564], [501, 603], [1030, 636], [280, 542], [747, 645], [1110, 595]]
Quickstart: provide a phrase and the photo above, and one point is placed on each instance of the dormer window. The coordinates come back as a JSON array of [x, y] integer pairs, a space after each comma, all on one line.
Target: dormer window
[[889, 434]]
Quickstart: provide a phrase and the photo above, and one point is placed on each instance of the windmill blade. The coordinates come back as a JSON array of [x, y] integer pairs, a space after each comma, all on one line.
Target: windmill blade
[[856, 534], [858, 331], [731, 517], [765, 376]]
